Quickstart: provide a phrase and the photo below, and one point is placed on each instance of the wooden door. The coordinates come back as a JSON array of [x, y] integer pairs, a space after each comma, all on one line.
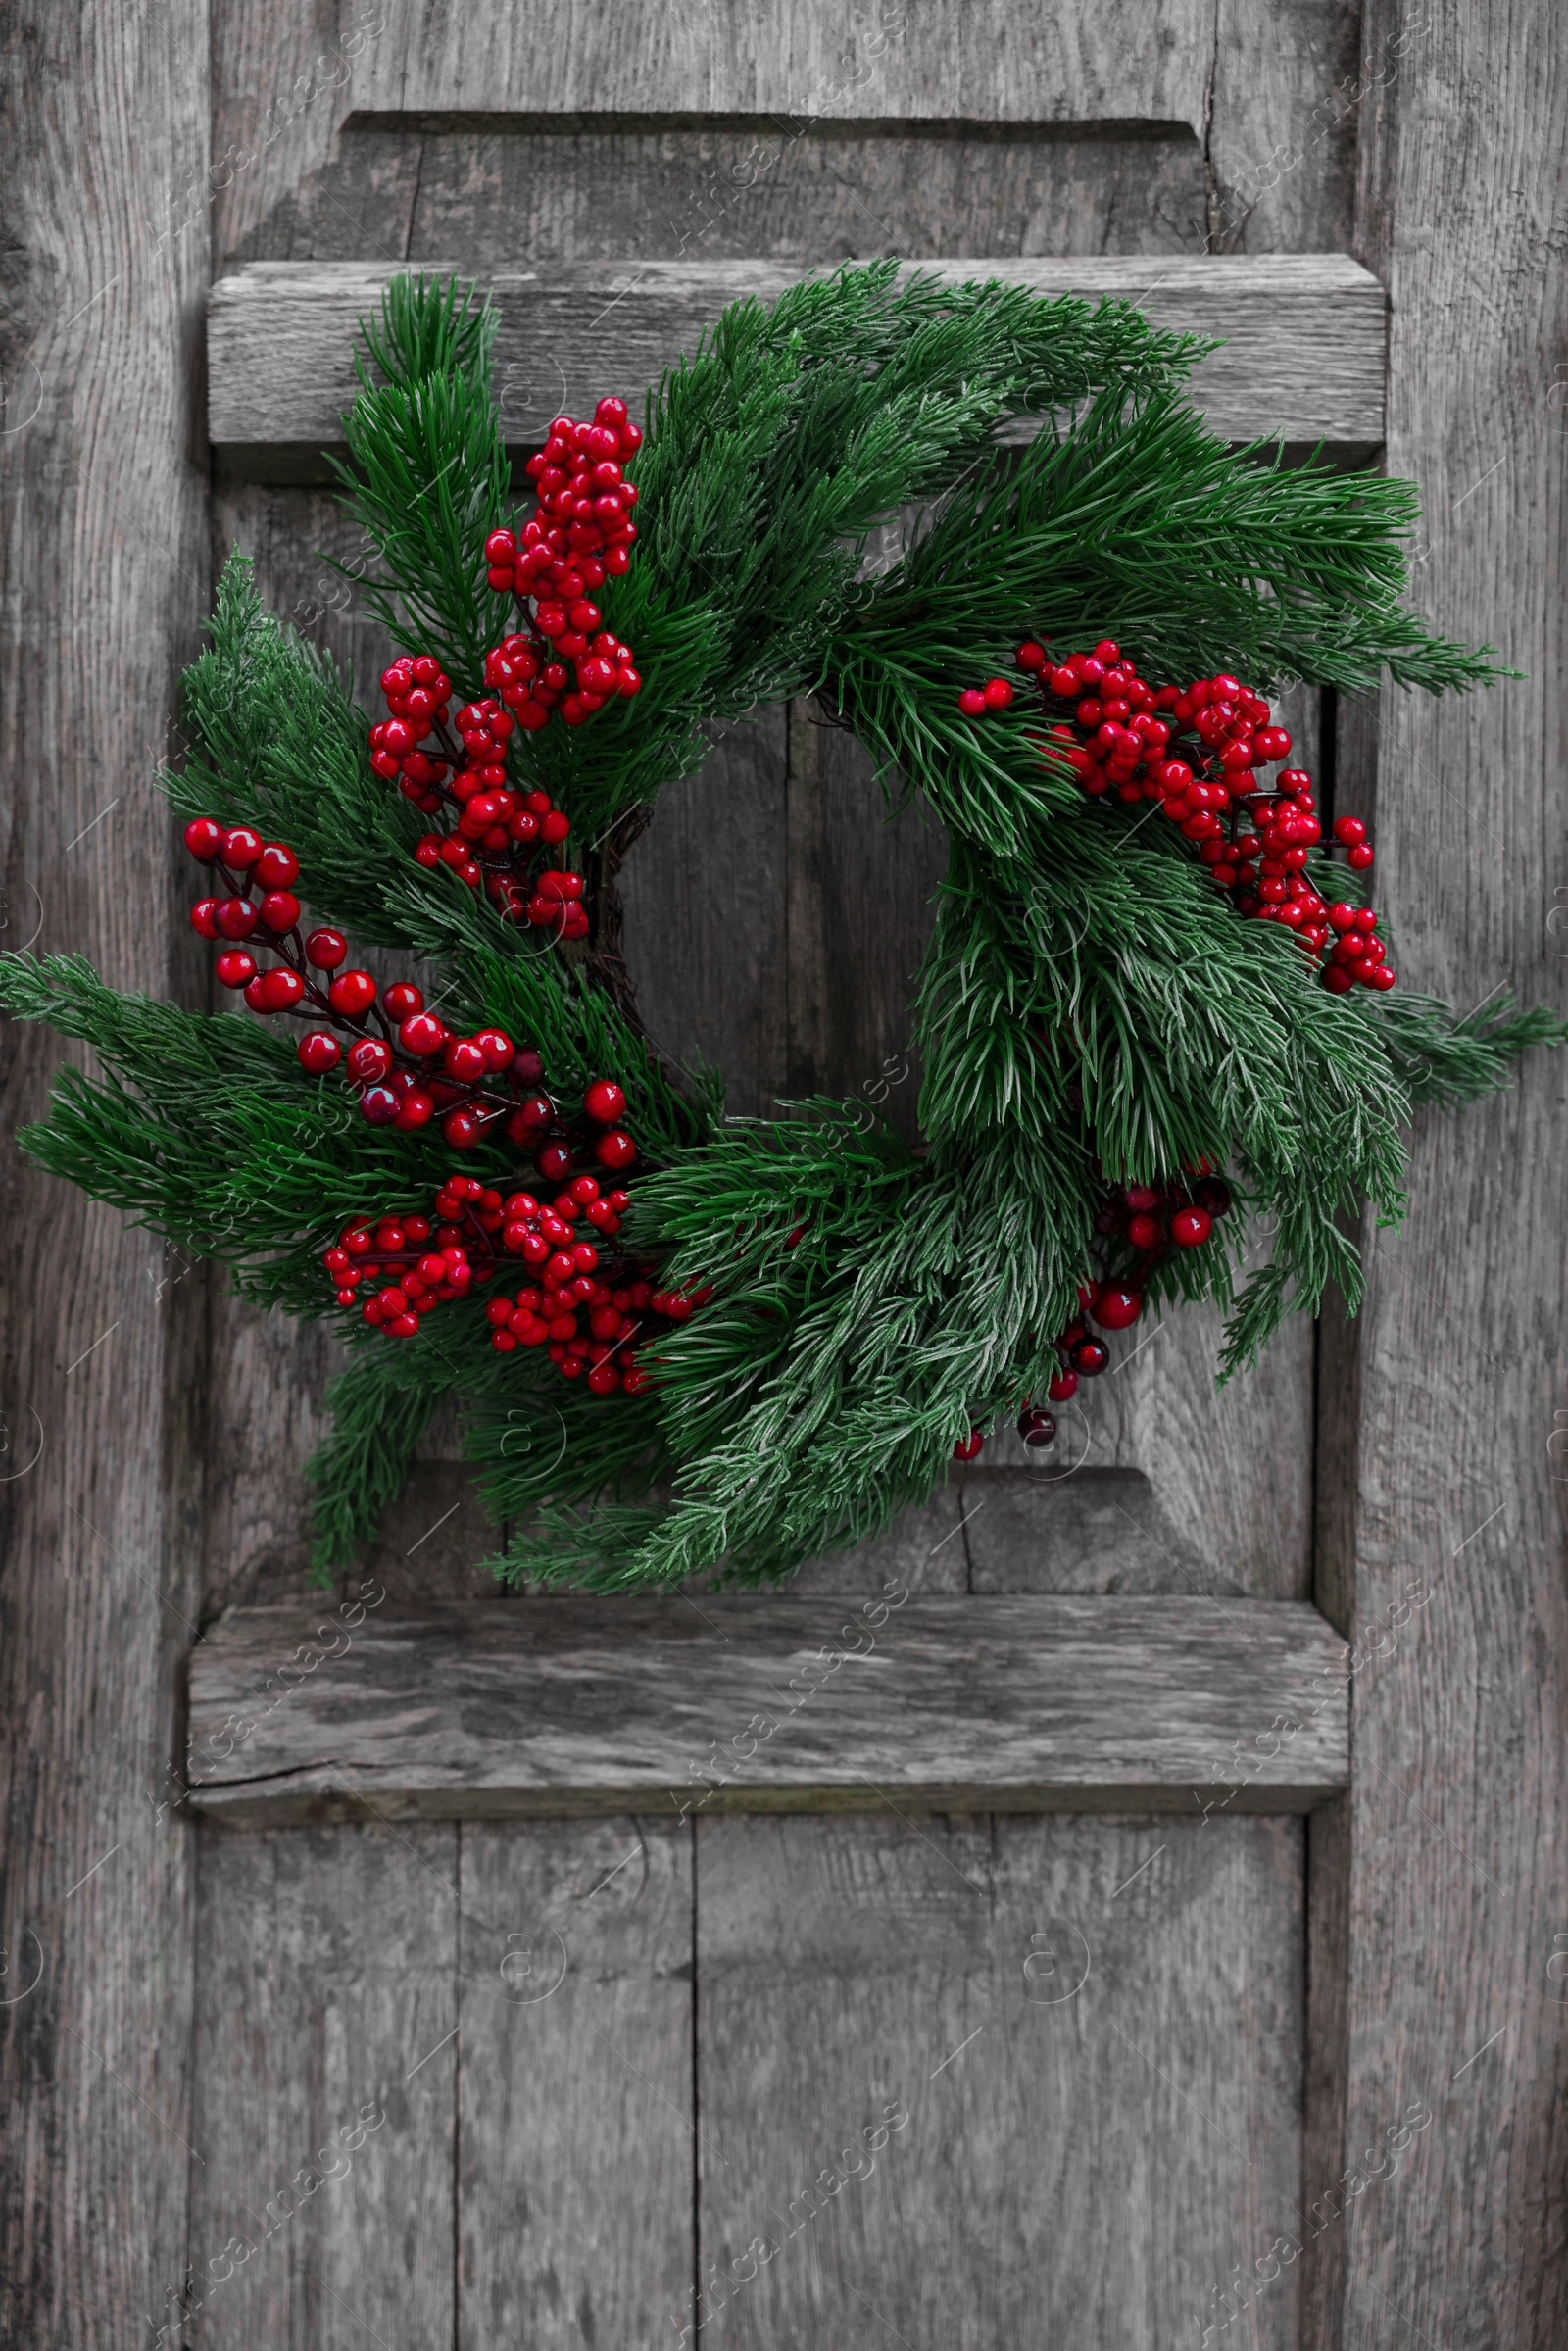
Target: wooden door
[[1030, 1978]]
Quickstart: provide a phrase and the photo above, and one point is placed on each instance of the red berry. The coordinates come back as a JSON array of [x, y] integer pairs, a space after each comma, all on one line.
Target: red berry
[[278, 867], [1030, 655], [235, 968], [1063, 1386], [204, 918], [1089, 1359], [379, 1105], [1349, 831], [280, 910], [972, 703], [204, 838], [615, 1148], [1117, 1309], [1359, 857], [235, 917], [281, 989], [1145, 1232], [352, 993], [1189, 1228], [241, 847], [416, 1108], [998, 693], [318, 1053], [605, 1101], [497, 1047], [462, 1129], [368, 1059], [401, 1001], [326, 949]]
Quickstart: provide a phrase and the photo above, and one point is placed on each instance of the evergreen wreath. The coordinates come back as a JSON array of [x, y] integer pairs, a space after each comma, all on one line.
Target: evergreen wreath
[[684, 1344]]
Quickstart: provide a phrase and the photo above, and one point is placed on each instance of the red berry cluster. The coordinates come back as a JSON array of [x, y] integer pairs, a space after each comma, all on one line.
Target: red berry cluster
[[570, 1281], [1195, 750], [499, 832], [422, 1265], [581, 534], [412, 1265], [1138, 1225], [416, 1068]]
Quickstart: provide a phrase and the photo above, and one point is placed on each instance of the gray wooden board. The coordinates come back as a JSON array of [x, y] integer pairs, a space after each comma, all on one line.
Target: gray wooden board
[[1094, 2030], [103, 586], [747, 188], [900, 67], [328, 1961], [574, 2175], [1458, 1897], [595, 1706], [1303, 357]]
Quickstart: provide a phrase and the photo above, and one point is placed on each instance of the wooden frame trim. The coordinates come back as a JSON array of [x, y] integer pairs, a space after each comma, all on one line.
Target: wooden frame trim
[[1301, 356], [549, 1708]]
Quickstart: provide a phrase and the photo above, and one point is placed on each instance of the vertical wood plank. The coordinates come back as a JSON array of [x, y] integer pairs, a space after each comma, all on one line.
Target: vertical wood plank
[[327, 1965], [578, 2130], [1459, 1812], [103, 557], [1093, 2030], [1279, 142]]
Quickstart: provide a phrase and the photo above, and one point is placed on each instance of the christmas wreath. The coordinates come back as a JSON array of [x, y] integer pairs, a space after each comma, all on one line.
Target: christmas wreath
[[1156, 1005]]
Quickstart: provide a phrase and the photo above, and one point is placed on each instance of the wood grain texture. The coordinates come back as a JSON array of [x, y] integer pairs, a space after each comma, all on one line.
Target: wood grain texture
[[1084, 2155], [725, 57], [103, 586], [1303, 357], [1460, 1837], [576, 2089], [328, 1961], [595, 1706], [1279, 151], [739, 186], [859, 905]]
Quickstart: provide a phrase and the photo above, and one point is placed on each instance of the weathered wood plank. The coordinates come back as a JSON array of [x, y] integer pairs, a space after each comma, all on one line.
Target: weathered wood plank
[[103, 586], [575, 2090], [325, 2108], [594, 1706], [1459, 1829], [1092, 2033], [1303, 358], [988, 64]]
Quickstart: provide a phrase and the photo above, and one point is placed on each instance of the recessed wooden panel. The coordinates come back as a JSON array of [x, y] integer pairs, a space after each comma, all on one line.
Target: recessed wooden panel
[[321, 2191], [1302, 358], [576, 2083], [1092, 2032], [885, 63]]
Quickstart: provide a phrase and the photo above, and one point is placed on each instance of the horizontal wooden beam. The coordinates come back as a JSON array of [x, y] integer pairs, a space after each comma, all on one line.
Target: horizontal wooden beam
[[575, 1706], [1302, 360]]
